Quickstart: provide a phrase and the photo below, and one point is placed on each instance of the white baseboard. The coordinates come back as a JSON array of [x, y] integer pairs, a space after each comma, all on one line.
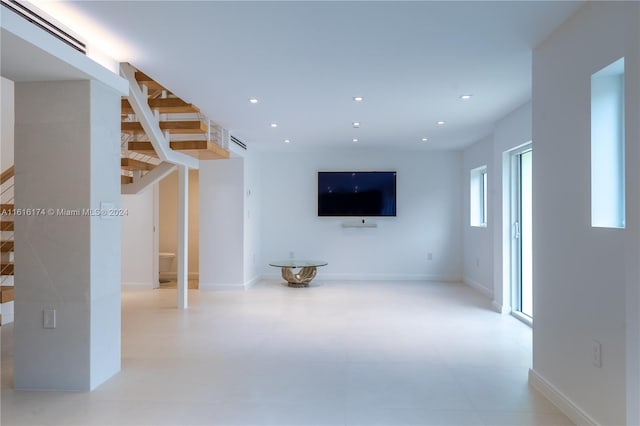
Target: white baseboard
[[560, 400], [252, 282], [137, 285], [373, 277], [500, 308], [174, 275], [479, 287], [221, 286]]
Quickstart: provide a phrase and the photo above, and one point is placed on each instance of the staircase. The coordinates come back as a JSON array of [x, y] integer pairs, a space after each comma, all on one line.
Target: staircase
[[185, 128], [6, 245]]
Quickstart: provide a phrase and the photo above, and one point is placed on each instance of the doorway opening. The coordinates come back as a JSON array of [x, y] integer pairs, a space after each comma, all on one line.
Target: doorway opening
[[166, 236]]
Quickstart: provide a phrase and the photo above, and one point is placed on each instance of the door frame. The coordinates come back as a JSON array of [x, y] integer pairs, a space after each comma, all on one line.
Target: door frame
[[514, 244]]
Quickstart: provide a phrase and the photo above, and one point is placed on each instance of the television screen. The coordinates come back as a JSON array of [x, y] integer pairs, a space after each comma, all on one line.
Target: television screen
[[356, 193]]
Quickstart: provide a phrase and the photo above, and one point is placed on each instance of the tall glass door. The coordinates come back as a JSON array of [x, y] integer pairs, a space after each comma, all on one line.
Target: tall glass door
[[522, 247]]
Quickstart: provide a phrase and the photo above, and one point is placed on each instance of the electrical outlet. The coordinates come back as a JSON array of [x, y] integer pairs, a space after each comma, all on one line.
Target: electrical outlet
[[429, 256], [596, 349], [49, 318]]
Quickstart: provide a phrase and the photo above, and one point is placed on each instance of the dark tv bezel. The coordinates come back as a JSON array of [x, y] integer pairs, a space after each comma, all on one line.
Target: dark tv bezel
[[356, 215]]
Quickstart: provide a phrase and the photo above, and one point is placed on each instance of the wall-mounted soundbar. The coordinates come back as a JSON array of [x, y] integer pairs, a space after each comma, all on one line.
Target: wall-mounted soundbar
[[359, 224]]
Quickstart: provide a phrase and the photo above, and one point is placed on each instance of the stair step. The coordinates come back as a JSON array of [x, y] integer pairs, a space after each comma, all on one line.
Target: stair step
[[7, 207], [173, 127], [6, 225], [132, 164], [164, 106], [6, 293], [6, 269], [6, 246], [125, 179], [148, 81], [203, 150]]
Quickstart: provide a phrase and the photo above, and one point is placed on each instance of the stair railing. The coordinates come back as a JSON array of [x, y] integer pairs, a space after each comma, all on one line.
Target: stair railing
[[6, 225]]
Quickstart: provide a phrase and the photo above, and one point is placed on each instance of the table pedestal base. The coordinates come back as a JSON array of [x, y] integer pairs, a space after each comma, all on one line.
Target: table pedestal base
[[301, 279]]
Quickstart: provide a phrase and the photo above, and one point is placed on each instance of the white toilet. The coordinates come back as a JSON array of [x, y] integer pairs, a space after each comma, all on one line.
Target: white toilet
[[165, 264]]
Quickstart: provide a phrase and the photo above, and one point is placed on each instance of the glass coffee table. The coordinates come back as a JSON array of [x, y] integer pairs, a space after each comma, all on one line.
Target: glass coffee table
[[303, 277]]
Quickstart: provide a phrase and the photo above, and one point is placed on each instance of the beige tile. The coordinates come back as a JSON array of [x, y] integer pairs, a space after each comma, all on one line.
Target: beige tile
[[338, 353]]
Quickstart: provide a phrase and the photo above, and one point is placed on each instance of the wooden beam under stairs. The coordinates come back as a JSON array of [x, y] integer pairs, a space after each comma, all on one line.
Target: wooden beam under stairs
[[173, 127], [203, 150], [6, 246], [125, 179], [164, 106], [6, 225], [6, 293], [7, 208], [7, 174], [133, 164]]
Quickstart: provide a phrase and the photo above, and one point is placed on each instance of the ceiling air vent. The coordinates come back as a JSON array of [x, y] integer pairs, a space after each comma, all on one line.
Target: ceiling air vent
[[238, 142], [45, 24]]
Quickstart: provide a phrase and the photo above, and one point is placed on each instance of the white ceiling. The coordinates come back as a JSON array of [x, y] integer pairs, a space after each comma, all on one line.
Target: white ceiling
[[305, 61]]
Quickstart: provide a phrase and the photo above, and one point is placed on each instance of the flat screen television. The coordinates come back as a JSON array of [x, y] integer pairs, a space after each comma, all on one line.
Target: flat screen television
[[371, 194]]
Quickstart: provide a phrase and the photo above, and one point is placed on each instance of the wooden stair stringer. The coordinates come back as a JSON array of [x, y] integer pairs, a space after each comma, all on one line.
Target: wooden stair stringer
[[135, 164], [201, 149]]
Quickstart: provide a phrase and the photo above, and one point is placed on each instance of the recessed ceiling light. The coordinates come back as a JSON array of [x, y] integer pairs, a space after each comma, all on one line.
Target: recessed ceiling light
[[253, 100], [274, 125], [440, 123], [286, 141], [358, 98], [465, 97], [356, 124], [355, 140], [424, 139]]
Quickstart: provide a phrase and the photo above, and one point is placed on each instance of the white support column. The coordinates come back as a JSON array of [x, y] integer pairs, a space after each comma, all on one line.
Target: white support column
[[69, 272], [183, 236]]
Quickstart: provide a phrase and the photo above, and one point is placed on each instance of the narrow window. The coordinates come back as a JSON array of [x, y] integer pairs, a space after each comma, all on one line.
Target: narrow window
[[478, 197], [483, 219], [607, 147]]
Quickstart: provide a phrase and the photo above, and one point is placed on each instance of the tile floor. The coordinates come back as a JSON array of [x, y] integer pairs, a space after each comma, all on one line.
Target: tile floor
[[337, 353]]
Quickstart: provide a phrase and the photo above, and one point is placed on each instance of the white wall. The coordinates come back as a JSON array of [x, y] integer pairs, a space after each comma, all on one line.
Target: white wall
[[490, 245], [137, 239], [429, 210], [583, 275], [511, 132], [478, 241], [104, 352], [252, 218], [222, 209], [7, 122], [168, 215]]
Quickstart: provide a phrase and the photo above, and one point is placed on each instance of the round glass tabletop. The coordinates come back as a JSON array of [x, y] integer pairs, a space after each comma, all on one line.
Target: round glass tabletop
[[297, 263]]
